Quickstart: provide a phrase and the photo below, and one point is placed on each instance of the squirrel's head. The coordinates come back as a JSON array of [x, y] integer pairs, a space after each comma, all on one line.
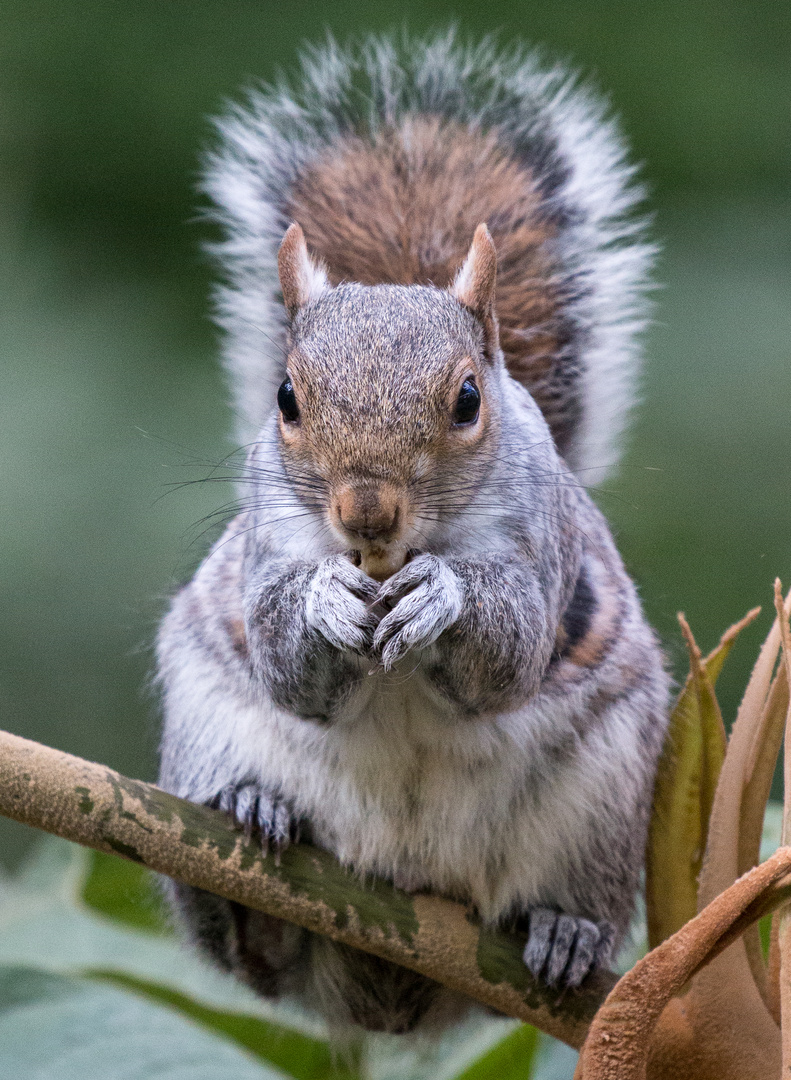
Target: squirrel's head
[[391, 398]]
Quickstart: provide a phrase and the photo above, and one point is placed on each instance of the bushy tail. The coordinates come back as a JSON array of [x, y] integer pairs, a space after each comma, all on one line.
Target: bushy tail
[[440, 136]]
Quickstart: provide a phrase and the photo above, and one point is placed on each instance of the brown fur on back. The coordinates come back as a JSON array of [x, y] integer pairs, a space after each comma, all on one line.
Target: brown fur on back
[[402, 208]]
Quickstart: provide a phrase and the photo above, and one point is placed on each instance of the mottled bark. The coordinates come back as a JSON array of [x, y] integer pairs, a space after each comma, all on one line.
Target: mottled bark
[[94, 806]]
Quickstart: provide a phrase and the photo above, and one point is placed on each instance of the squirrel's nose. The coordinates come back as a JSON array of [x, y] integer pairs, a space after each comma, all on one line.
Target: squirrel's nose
[[370, 513]]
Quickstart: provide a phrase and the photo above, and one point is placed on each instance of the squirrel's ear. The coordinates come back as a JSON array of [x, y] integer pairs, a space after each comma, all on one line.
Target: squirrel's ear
[[301, 279], [475, 283]]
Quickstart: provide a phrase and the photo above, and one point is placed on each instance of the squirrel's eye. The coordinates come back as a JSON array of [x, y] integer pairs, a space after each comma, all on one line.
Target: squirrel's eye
[[287, 402], [468, 404]]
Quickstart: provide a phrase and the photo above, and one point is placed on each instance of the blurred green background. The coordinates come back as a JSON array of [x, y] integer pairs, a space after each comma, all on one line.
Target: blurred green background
[[110, 386]]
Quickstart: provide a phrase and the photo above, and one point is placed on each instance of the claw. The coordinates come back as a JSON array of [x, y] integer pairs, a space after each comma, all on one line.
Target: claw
[[254, 810], [539, 941], [338, 604], [565, 933], [422, 600], [226, 800], [282, 825], [246, 806]]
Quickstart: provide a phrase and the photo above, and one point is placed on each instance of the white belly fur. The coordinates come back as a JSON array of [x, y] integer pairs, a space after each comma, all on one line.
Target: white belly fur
[[397, 789]]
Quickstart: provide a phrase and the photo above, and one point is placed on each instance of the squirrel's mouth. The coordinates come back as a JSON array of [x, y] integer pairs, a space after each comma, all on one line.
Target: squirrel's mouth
[[381, 560], [373, 520], [377, 557]]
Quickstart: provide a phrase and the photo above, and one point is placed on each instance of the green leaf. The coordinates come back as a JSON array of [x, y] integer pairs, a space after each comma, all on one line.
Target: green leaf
[[302, 1057], [124, 891], [45, 925], [54, 1026], [25, 986], [770, 841], [674, 842], [510, 1059], [684, 789]]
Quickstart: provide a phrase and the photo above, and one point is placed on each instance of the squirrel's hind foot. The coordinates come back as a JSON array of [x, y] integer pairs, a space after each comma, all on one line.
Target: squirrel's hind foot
[[562, 950]]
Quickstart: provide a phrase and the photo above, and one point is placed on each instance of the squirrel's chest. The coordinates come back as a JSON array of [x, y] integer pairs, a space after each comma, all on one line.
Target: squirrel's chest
[[400, 789], [392, 755]]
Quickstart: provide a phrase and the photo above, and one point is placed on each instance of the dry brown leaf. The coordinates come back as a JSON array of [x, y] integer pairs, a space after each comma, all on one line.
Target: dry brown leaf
[[769, 737], [732, 1045], [720, 1027], [721, 863], [783, 916]]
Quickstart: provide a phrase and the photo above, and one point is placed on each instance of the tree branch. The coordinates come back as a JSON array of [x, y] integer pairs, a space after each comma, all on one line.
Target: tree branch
[[94, 806]]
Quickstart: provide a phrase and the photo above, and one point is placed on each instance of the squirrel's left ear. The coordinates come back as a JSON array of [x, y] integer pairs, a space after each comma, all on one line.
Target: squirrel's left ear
[[301, 279], [475, 284]]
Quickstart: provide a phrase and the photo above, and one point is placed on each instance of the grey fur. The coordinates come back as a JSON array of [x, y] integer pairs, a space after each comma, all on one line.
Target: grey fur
[[562, 131], [562, 949], [485, 722], [426, 597]]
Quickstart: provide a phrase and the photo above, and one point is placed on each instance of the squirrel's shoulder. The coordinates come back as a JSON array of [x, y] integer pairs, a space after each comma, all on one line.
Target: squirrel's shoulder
[[389, 154]]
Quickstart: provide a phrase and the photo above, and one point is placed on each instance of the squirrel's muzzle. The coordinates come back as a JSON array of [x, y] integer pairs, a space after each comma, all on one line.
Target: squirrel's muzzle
[[369, 511]]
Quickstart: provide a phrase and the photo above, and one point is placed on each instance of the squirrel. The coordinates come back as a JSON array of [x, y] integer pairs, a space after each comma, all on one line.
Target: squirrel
[[416, 644]]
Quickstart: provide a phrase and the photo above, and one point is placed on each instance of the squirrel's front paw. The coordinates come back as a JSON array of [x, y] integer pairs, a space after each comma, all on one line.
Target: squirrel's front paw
[[561, 949], [426, 598], [337, 604], [255, 810]]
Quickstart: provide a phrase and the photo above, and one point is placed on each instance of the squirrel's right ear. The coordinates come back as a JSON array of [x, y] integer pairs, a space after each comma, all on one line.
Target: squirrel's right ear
[[475, 283], [301, 279]]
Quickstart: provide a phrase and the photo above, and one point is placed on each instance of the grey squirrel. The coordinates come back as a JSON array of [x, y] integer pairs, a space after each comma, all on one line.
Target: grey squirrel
[[417, 643]]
